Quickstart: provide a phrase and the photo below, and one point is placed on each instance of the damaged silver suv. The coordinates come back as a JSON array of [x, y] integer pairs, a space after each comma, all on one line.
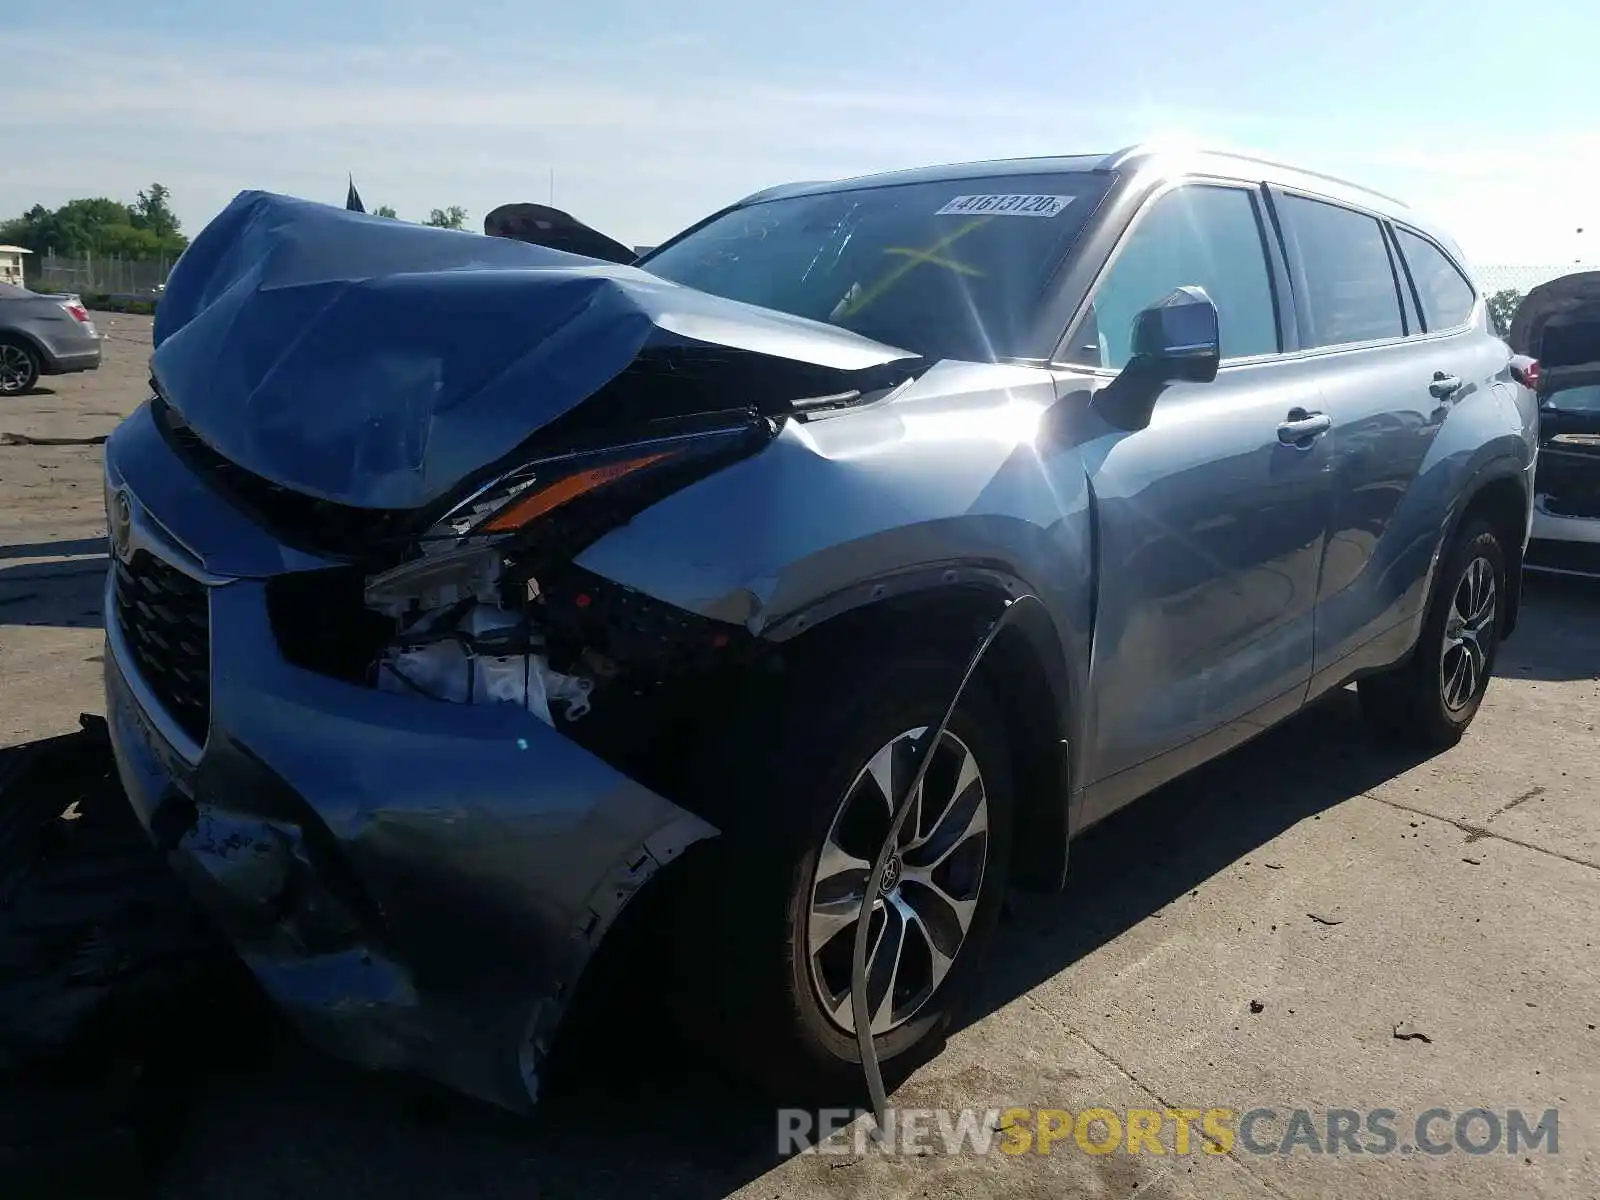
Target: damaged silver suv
[[462, 586]]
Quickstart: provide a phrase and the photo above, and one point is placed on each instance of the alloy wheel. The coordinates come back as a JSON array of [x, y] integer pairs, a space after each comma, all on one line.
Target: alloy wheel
[[1468, 627], [16, 368], [930, 888]]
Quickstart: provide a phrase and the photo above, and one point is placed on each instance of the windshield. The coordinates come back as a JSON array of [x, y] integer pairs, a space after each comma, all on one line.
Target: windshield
[[1585, 398], [952, 269]]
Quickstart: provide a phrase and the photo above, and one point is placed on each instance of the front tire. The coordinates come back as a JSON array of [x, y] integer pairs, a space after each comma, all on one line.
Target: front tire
[[1430, 699], [815, 810], [19, 367]]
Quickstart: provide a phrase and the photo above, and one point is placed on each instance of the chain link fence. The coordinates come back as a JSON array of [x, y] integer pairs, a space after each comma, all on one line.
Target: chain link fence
[[1524, 277], [97, 275]]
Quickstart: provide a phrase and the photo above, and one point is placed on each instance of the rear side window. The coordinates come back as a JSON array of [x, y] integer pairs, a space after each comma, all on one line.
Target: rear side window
[[1196, 235], [1446, 295], [1349, 281]]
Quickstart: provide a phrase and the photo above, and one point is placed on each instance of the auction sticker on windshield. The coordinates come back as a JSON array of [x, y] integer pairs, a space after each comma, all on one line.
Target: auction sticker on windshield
[[1005, 206]]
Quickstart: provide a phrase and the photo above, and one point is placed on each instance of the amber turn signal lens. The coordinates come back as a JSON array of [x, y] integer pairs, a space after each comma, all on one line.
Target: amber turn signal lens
[[569, 487]]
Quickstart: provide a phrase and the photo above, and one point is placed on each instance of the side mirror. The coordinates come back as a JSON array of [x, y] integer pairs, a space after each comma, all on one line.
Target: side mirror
[[1176, 339]]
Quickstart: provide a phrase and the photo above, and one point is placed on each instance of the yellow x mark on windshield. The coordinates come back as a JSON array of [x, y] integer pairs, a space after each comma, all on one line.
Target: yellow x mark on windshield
[[913, 257], [933, 260]]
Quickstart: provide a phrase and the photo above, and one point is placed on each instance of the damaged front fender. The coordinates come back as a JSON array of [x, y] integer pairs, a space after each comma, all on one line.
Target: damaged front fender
[[963, 469], [972, 479]]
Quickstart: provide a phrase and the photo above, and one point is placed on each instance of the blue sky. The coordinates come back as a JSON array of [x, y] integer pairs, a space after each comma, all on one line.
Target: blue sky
[[653, 114]]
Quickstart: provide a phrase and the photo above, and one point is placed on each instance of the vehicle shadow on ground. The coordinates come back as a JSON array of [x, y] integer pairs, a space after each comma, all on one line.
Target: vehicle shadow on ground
[[634, 1113], [1172, 841], [66, 548], [64, 590]]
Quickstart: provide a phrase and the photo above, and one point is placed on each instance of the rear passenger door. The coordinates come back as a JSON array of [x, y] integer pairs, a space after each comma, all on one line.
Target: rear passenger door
[[1360, 328]]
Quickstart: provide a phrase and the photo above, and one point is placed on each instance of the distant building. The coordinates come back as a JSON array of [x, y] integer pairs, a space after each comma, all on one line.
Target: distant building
[[11, 264], [641, 251]]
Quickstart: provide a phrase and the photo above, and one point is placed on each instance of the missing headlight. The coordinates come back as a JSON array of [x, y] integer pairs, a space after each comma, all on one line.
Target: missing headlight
[[481, 654]]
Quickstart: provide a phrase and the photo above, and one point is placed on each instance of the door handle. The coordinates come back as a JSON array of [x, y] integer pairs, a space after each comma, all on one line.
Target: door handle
[[1444, 386], [1302, 428]]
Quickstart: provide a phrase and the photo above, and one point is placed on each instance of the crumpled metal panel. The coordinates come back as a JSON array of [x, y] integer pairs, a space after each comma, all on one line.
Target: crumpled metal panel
[[417, 884], [376, 363]]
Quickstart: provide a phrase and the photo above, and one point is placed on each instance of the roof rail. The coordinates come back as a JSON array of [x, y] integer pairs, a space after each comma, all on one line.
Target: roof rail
[[1117, 157], [779, 189], [1120, 157]]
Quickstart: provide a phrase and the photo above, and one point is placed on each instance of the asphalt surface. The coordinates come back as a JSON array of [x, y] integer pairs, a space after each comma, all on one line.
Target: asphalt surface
[[1315, 922]]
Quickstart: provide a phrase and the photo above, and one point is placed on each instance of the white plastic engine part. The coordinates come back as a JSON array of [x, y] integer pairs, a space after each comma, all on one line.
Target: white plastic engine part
[[449, 669]]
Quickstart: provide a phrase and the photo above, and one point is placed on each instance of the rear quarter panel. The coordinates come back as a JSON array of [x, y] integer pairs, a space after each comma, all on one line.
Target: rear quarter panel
[[49, 327], [1487, 432]]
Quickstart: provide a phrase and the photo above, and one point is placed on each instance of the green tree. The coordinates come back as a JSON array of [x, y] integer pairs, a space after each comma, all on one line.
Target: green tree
[[146, 229], [32, 230], [82, 224], [385, 210], [454, 217], [1502, 307], [153, 211], [129, 241]]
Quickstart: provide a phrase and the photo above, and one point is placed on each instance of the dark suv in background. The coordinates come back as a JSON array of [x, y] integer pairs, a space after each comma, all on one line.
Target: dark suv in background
[[462, 586]]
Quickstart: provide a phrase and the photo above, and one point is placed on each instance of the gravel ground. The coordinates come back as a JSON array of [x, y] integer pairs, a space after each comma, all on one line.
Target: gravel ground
[[52, 534], [1256, 935]]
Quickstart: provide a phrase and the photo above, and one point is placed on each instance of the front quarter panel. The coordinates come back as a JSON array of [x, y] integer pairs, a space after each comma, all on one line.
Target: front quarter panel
[[961, 470], [952, 471]]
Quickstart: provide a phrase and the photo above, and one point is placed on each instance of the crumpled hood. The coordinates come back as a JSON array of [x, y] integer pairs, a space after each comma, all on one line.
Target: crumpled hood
[[376, 363]]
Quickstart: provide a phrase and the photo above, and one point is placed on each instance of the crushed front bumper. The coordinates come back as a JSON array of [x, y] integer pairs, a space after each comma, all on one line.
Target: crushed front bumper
[[418, 885]]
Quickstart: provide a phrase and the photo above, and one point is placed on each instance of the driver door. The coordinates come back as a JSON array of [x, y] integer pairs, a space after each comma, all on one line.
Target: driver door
[[1210, 524]]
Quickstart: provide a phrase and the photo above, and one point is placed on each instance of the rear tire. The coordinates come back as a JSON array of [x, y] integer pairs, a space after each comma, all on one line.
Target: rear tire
[[799, 784], [19, 366], [1429, 700]]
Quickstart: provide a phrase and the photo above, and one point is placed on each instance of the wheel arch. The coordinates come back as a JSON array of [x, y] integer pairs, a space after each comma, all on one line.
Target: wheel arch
[[22, 338], [1499, 496], [948, 609]]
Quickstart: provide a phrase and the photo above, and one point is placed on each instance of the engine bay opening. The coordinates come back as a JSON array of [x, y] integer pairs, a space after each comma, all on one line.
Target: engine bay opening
[[625, 675]]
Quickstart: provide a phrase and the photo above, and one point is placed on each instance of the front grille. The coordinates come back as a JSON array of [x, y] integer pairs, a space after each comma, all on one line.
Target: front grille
[[165, 619]]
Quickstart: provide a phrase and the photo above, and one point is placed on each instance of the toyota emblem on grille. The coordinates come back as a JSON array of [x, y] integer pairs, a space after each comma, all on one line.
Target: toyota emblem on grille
[[121, 523]]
